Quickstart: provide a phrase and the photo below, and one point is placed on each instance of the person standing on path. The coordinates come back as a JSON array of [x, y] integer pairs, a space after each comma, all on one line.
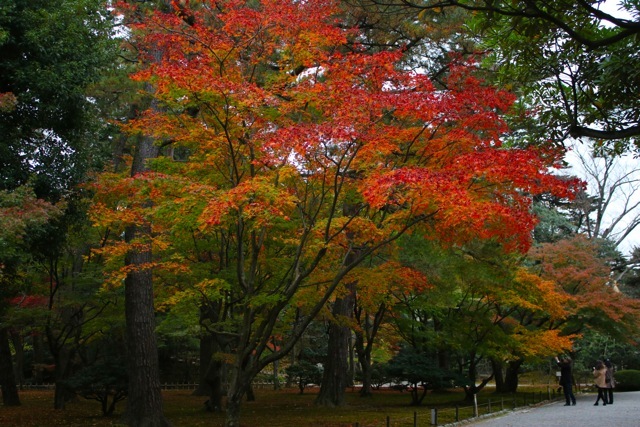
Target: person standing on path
[[610, 381], [566, 380], [600, 379]]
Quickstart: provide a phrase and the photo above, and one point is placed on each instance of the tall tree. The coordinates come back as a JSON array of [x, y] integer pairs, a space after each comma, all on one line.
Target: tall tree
[[50, 52], [144, 399], [281, 129]]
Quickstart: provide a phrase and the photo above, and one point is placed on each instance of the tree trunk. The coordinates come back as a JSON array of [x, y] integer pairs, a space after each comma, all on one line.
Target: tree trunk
[[214, 380], [206, 353], [365, 366], [473, 375], [363, 342], [364, 357], [18, 345], [511, 376], [144, 401], [62, 394], [276, 375], [38, 358], [238, 387], [8, 386], [334, 380], [498, 376], [351, 378]]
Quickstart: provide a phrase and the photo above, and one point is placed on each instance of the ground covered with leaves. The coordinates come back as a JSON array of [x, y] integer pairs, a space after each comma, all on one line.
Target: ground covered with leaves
[[281, 408]]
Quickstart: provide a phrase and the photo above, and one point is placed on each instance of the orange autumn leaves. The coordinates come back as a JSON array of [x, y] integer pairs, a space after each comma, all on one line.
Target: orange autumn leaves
[[283, 126]]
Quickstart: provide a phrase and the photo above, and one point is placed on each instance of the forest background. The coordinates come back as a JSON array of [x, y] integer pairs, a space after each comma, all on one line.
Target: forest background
[[219, 191]]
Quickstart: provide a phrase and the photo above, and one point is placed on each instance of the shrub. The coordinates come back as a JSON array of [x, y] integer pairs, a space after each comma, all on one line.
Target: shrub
[[628, 380], [304, 373], [106, 382], [421, 371]]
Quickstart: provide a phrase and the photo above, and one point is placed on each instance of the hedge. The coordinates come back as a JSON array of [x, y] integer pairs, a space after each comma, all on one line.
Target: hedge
[[628, 380]]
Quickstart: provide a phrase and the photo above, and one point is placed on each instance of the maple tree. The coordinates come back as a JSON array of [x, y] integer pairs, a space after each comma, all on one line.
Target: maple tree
[[577, 267], [473, 310], [280, 129]]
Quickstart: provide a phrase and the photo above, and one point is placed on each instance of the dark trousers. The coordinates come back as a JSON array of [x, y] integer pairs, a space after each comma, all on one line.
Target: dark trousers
[[602, 394], [610, 394], [568, 393]]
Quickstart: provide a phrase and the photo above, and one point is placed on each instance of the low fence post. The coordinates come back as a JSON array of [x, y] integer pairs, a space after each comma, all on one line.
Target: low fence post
[[475, 405], [457, 413], [388, 421], [434, 417], [415, 419]]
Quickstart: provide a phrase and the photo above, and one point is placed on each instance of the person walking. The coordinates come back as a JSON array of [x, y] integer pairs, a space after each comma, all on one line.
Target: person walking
[[600, 379], [566, 380], [610, 381]]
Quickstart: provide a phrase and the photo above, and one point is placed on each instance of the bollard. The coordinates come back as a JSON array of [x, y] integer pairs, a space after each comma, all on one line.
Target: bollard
[[489, 406], [415, 419], [457, 413], [475, 405], [434, 417], [388, 421], [502, 403]]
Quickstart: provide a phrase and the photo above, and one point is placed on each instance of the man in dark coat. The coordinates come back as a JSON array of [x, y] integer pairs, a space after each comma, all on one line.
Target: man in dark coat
[[566, 380]]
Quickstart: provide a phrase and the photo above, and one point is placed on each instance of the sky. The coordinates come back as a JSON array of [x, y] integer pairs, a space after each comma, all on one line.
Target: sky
[[627, 169]]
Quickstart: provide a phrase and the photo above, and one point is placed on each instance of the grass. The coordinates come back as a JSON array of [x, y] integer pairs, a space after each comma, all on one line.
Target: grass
[[281, 408]]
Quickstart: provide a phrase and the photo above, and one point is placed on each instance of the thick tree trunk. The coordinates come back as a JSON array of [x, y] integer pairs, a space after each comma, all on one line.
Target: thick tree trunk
[[18, 345], [8, 386], [498, 376], [334, 380], [365, 366], [214, 379], [144, 401], [511, 376], [62, 394], [238, 387], [206, 353], [38, 358]]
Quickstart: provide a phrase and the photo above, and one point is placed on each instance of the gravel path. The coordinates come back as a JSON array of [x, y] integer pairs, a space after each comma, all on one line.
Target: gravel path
[[625, 412]]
